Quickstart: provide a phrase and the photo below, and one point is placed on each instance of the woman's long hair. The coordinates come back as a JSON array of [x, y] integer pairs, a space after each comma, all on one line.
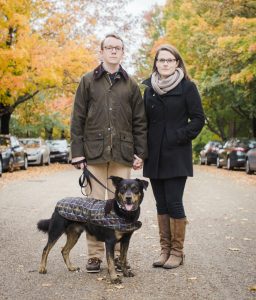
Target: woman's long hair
[[177, 56]]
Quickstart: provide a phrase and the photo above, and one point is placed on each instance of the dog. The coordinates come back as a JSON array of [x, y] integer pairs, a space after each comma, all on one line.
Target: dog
[[120, 221]]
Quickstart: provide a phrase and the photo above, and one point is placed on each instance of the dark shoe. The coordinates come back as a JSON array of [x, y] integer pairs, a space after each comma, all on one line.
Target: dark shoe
[[118, 265], [93, 265]]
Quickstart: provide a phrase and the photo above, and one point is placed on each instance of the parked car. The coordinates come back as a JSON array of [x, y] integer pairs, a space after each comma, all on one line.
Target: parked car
[[208, 155], [1, 165], [59, 150], [13, 154], [233, 154], [37, 150], [250, 161]]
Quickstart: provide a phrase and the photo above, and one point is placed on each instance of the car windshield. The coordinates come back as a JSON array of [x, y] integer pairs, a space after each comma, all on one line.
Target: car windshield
[[4, 141], [31, 143], [245, 143], [62, 143]]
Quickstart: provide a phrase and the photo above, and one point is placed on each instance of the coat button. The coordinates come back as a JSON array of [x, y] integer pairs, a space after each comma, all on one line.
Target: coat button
[[154, 95]]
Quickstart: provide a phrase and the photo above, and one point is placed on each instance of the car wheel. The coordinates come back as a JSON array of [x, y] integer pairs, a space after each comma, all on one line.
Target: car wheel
[[25, 165], [229, 167], [41, 160], [11, 165], [247, 167], [218, 163], [1, 167]]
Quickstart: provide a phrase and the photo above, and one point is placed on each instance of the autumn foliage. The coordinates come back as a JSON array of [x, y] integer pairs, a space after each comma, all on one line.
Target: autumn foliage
[[40, 54], [218, 42]]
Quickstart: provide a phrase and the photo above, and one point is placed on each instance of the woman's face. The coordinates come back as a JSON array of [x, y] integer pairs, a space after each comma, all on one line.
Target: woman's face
[[166, 63]]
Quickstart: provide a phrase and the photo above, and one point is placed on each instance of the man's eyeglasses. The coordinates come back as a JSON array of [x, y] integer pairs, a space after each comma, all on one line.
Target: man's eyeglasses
[[169, 61], [111, 48]]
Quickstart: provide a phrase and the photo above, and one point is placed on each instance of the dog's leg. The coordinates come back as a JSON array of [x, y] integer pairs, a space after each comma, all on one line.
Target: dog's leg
[[123, 255], [47, 248], [110, 246], [56, 229], [72, 238]]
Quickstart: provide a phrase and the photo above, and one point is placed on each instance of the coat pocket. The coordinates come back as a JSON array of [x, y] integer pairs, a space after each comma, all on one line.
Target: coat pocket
[[126, 144], [93, 144]]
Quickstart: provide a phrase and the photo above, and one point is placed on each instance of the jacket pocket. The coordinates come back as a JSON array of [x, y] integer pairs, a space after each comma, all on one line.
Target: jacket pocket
[[93, 144], [126, 144]]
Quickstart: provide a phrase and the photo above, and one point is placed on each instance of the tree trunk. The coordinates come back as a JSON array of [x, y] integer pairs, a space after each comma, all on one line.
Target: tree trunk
[[62, 134], [48, 133], [254, 127], [5, 123]]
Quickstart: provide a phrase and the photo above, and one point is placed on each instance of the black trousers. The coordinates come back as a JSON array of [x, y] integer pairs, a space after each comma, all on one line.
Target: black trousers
[[169, 196]]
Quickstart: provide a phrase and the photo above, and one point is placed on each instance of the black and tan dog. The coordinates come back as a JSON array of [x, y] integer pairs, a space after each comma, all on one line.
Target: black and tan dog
[[109, 221]]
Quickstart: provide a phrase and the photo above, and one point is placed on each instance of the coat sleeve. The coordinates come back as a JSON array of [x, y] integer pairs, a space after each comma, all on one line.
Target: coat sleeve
[[78, 118], [195, 115], [139, 124]]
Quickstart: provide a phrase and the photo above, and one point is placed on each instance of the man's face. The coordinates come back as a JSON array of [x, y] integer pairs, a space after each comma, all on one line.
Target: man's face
[[112, 52]]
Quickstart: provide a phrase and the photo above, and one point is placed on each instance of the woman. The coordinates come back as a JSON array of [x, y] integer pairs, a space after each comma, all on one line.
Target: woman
[[175, 117]]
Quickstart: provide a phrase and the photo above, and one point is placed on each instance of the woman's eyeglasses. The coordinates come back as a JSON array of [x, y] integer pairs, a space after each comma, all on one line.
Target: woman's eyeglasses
[[169, 61]]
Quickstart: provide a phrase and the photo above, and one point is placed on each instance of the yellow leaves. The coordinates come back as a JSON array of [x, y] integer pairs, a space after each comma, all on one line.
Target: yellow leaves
[[253, 288]]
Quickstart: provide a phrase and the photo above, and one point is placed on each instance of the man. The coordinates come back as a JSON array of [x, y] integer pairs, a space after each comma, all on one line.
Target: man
[[108, 128]]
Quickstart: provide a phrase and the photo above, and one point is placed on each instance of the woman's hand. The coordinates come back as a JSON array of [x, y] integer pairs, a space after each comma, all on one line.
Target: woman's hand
[[137, 163]]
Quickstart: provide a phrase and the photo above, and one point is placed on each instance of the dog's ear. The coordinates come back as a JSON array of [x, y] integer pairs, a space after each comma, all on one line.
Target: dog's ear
[[143, 183], [116, 180]]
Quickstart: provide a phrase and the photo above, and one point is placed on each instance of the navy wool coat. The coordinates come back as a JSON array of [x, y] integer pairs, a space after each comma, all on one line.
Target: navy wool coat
[[174, 120]]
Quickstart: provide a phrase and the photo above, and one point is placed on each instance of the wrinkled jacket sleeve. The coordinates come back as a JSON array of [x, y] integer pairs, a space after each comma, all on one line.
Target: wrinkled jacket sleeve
[[195, 114], [139, 126], [78, 118]]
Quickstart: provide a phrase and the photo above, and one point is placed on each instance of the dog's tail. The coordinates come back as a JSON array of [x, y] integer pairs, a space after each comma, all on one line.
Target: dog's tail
[[43, 225]]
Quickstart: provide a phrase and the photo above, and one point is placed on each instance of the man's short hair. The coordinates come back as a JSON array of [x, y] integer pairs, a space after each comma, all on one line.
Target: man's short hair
[[111, 35]]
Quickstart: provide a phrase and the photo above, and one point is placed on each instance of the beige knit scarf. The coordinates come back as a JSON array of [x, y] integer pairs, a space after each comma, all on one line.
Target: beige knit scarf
[[162, 86]]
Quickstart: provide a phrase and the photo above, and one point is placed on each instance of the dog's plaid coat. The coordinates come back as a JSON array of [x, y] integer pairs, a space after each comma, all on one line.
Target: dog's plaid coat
[[92, 211]]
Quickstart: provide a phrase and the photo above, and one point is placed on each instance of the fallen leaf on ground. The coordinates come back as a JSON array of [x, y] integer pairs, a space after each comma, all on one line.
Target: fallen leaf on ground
[[109, 290], [192, 278], [233, 249], [247, 239], [229, 237], [253, 288], [119, 286], [101, 278], [46, 284]]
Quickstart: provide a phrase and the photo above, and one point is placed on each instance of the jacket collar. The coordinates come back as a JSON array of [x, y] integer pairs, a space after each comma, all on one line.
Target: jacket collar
[[176, 91], [100, 71]]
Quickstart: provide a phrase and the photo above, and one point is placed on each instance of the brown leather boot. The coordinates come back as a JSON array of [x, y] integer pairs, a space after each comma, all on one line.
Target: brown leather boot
[[165, 240], [176, 258]]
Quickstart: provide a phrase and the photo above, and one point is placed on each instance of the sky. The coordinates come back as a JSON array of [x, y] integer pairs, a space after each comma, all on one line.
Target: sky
[[138, 6]]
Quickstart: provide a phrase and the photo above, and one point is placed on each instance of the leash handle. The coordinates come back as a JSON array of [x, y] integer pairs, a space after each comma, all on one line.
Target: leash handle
[[85, 177]]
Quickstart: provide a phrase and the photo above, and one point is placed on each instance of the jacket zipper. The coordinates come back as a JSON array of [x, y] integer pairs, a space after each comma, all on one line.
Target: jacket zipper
[[110, 128]]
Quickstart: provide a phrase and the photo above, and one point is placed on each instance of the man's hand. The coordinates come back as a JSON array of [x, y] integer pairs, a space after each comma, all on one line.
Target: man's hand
[[137, 163], [79, 162]]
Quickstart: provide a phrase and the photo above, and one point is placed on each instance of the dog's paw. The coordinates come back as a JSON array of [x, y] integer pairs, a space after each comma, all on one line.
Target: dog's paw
[[73, 269], [128, 273], [116, 280], [42, 270]]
